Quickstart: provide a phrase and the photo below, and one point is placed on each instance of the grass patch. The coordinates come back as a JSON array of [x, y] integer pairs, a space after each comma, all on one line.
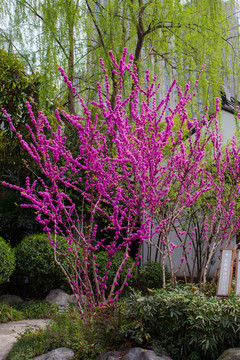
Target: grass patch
[[8, 313], [30, 345], [184, 322], [68, 330], [39, 309]]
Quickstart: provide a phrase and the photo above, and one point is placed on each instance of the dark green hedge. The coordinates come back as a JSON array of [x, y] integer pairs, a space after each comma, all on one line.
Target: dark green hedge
[[151, 275], [35, 259], [7, 261], [187, 324], [102, 261]]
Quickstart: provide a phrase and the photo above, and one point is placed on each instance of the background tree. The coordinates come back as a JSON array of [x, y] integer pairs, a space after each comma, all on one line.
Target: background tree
[[213, 222], [172, 38], [45, 34], [16, 87]]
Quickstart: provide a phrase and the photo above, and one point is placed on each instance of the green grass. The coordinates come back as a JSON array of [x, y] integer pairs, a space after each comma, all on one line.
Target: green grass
[[27, 310], [8, 313], [69, 330], [185, 322], [30, 345], [38, 309]]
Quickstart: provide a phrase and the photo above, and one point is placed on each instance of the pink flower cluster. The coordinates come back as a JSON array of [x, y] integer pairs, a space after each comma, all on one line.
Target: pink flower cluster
[[132, 168]]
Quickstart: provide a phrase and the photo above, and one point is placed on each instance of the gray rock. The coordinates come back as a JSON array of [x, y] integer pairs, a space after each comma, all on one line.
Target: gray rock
[[133, 354], [164, 357], [110, 355], [57, 354], [58, 296], [141, 354], [72, 299], [230, 354], [10, 299], [61, 298]]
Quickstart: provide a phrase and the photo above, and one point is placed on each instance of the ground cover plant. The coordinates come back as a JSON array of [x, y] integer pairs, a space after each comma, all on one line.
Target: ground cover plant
[[139, 168], [7, 261], [30, 309], [8, 313], [184, 322], [69, 330]]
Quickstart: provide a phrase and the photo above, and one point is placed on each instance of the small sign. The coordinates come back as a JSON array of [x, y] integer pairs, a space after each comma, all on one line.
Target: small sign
[[237, 274], [226, 272]]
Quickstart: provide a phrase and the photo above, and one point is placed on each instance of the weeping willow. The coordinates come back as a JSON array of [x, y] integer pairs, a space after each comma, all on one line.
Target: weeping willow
[[171, 38]]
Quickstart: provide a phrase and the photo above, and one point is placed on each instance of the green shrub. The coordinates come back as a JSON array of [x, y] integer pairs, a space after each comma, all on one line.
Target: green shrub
[[69, 330], [151, 275], [27, 310], [187, 324], [7, 261], [8, 313], [30, 345], [38, 309], [102, 260], [35, 259]]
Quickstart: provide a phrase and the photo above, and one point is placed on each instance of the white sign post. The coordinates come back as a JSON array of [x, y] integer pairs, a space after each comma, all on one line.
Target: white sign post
[[226, 272]]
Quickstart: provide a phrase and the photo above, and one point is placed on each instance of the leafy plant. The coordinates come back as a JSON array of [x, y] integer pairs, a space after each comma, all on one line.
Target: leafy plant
[[35, 260], [27, 310], [69, 330], [29, 345], [7, 261], [36, 309], [183, 322], [187, 323], [151, 275], [8, 313]]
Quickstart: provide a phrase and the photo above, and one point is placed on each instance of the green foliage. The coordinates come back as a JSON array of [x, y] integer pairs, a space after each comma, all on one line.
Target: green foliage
[[15, 221], [35, 259], [54, 30], [170, 38], [186, 323], [151, 275], [38, 309], [102, 260], [7, 261], [8, 313], [30, 345], [16, 87], [27, 310], [69, 330]]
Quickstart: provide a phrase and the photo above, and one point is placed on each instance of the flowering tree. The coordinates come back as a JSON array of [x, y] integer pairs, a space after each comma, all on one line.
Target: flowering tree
[[214, 220], [132, 168]]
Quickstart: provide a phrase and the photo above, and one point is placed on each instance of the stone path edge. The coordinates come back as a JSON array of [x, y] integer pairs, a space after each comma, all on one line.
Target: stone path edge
[[9, 333]]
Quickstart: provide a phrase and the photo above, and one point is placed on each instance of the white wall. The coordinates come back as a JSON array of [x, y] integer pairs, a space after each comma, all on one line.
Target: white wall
[[149, 252], [228, 125], [228, 128]]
